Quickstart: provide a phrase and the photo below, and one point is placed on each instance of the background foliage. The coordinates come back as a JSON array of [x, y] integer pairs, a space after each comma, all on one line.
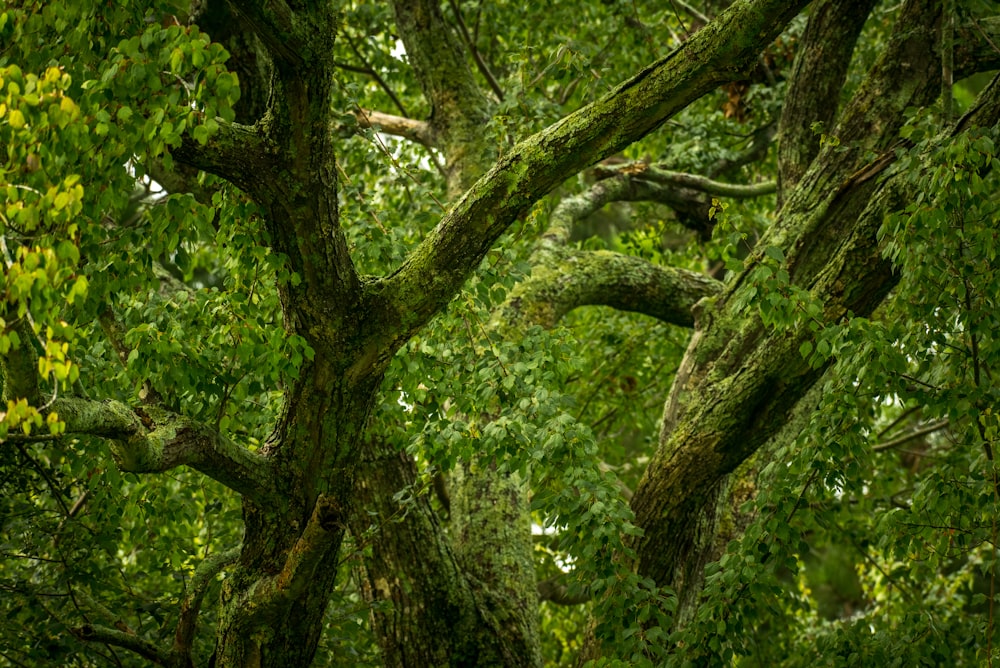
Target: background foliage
[[868, 538]]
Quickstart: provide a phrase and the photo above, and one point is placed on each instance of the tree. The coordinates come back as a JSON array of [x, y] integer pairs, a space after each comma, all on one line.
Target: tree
[[343, 360]]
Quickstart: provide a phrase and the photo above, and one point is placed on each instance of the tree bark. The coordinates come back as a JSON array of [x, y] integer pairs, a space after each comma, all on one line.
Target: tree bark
[[740, 380]]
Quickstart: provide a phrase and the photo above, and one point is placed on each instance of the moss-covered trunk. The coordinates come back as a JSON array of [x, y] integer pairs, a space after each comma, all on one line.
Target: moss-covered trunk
[[427, 610], [274, 599], [741, 379]]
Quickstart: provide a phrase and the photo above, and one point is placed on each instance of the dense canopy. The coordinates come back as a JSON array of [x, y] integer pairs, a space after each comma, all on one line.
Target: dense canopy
[[478, 334]]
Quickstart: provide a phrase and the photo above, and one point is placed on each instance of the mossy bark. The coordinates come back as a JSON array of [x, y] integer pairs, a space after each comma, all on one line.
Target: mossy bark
[[740, 380]]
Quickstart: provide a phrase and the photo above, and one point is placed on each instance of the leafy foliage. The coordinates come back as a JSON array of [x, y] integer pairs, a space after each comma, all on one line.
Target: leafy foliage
[[863, 533]]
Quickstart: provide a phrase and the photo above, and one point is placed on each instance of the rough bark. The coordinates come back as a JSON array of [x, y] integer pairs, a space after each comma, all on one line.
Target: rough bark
[[273, 600], [494, 557], [434, 614], [817, 78], [740, 380]]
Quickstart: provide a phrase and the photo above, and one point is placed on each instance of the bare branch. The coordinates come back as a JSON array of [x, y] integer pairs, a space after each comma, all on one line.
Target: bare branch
[[480, 63], [977, 46], [418, 131], [103, 634], [910, 436], [373, 73]]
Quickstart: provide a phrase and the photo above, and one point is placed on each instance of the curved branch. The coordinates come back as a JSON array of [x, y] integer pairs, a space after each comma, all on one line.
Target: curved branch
[[203, 576], [567, 279], [103, 634], [237, 153], [623, 186], [155, 441], [407, 128], [436, 269]]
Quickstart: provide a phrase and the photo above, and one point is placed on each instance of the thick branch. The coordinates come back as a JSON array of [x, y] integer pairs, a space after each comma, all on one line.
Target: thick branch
[[407, 128], [322, 534], [276, 25], [565, 279], [817, 78], [740, 380], [437, 268], [459, 107], [157, 441], [237, 153]]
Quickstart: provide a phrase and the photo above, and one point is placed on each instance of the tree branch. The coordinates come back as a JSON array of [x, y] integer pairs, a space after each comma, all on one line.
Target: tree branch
[[760, 141], [977, 46], [418, 131], [817, 78], [480, 63], [322, 533], [705, 185], [203, 577], [373, 73], [909, 436], [727, 400], [237, 153], [459, 108], [436, 269], [103, 634], [155, 441], [274, 22], [566, 279]]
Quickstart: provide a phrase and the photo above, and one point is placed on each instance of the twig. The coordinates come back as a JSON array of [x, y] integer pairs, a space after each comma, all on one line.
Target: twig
[[906, 438], [375, 75], [480, 63]]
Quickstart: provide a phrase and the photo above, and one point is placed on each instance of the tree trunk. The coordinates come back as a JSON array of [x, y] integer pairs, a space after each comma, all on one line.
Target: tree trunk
[[426, 608], [741, 379], [274, 600]]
